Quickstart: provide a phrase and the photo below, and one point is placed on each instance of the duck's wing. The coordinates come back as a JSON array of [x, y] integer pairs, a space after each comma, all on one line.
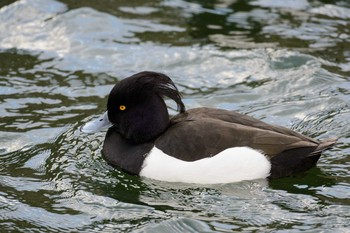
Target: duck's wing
[[204, 132], [235, 117]]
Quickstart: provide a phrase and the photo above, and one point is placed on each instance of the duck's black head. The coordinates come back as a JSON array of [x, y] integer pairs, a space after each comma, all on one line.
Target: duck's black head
[[136, 107]]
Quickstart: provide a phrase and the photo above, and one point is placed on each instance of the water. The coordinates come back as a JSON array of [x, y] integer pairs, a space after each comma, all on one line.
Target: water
[[286, 63]]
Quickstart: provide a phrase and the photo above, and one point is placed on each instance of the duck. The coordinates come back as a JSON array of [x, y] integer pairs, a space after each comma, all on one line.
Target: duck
[[200, 145]]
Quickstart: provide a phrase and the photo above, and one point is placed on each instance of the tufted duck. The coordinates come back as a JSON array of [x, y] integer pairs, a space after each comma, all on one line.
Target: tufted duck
[[201, 145]]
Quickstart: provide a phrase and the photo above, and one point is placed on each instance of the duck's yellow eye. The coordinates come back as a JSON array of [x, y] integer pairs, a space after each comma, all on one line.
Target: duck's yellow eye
[[122, 107]]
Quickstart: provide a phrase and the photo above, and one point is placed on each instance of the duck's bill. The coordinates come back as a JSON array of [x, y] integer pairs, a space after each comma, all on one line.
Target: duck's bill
[[96, 125]]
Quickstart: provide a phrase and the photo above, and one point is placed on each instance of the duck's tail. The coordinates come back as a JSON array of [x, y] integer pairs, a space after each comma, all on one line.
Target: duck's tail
[[298, 160], [324, 145]]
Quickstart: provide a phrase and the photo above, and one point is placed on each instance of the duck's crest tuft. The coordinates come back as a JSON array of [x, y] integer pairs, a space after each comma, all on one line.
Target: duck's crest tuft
[[148, 82]]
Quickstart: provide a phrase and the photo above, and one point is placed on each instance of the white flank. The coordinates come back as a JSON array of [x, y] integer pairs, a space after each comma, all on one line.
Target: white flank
[[231, 165]]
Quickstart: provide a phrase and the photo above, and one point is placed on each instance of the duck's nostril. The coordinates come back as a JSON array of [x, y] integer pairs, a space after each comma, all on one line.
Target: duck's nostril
[[97, 124]]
